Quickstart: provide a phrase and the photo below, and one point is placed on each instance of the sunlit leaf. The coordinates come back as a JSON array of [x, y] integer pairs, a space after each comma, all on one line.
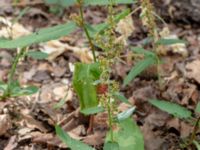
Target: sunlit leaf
[[125, 114], [172, 108], [128, 137], [70, 142]]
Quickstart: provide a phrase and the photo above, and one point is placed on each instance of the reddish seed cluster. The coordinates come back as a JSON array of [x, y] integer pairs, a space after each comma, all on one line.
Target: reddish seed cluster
[[102, 89]]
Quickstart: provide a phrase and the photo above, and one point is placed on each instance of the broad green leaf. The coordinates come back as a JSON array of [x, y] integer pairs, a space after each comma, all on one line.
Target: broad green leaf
[[196, 144], [169, 41], [111, 146], [197, 109], [83, 79], [129, 136], [93, 110], [172, 108], [37, 54], [138, 68], [41, 36], [125, 114], [141, 50], [121, 97], [70, 142]]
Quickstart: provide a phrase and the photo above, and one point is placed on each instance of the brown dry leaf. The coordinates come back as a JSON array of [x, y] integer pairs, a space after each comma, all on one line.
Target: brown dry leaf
[[179, 48], [185, 129], [31, 122], [12, 144], [61, 91], [123, 106], [5, 123], [95, 139], [174, 123], [54, 48], [125, 27], [10, 30], [151, 139], [193, 70]]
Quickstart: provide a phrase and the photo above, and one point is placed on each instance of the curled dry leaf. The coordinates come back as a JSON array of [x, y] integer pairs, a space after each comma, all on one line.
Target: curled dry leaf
[[10, 30], [178, 48], [54, 48]]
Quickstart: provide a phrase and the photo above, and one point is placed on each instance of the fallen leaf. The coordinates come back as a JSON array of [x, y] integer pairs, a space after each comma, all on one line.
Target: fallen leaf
[[193, 70], [5, 124]]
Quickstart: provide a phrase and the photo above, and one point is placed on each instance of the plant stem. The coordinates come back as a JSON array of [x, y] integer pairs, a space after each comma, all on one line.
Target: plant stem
[[110, 119], [12, 71], [193, 136], [85, 30]]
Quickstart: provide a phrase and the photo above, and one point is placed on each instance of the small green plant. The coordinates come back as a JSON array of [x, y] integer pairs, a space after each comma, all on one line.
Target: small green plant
[[150, 56], [92, 82], [182, 113], [12, 87]]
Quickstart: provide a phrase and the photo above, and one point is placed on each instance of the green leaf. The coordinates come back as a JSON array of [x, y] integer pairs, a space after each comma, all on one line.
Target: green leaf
[[128, 137], [141, 50], [41, 36], [172, 108], [121, 97], [63, 3], [17, 91], [3, 86], [92, 110], [37, 55], [66, 3], [125, 114], [61, 102], [169, 41], [111, 146], [84, 77], [138, 68], [196, 144], [197, 109], [70, 142]]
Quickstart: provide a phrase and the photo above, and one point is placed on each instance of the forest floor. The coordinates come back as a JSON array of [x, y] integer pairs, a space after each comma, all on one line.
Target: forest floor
[[27, 122]]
